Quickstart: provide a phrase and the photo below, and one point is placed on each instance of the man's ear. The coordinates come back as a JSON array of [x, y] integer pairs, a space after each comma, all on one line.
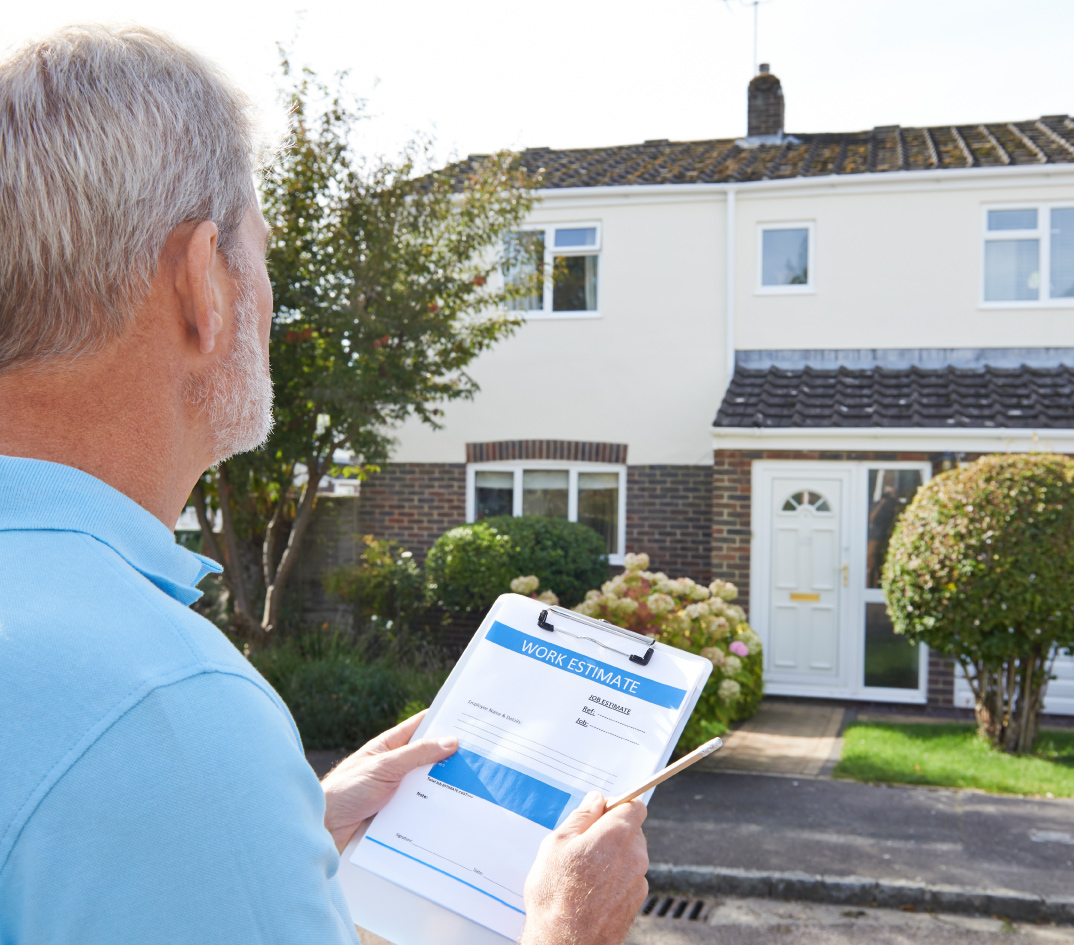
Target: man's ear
[[197, 273]]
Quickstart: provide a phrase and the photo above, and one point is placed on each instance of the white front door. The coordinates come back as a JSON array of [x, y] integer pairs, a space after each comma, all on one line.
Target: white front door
[[800, 543], [820, 532], [806, 579]]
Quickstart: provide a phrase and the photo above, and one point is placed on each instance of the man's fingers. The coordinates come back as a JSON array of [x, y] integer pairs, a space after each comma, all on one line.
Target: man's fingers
[[633, 813], [426, 751], [584, 816], [395, 737]]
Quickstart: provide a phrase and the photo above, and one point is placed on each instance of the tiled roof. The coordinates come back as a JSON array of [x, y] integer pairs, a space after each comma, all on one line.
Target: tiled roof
[[1027, 395], [1048, 140]]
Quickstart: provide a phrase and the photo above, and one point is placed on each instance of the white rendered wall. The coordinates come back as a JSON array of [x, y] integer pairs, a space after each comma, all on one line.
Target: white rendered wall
[[896, 266], [649, 372]]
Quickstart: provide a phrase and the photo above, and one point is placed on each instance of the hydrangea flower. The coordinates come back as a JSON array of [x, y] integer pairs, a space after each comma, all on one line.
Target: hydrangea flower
[[739, 648], [729, 690], [638, 562], [732, 666], [714, 655], [525, 585], [547, 597], [660, 604]]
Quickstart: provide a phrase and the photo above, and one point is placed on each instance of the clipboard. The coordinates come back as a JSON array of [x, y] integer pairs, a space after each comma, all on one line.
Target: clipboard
[[404, 917]]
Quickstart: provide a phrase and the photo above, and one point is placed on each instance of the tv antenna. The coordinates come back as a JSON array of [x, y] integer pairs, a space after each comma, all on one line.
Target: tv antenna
[[755, 4]]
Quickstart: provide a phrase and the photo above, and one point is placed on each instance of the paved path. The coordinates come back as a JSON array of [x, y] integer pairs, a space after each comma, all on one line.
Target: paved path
[[783, 737]]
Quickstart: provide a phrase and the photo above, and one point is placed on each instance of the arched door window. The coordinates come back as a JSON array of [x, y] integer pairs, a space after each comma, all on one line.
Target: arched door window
[[806, 499]]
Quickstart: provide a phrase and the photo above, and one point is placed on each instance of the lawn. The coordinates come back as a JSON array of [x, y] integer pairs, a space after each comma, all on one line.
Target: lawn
[[953, 756]]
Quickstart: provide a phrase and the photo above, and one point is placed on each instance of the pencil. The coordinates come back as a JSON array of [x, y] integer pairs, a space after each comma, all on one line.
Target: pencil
[[684, 762]]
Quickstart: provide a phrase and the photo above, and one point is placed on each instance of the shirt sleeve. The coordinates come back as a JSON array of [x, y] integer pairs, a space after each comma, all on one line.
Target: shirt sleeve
[[194, 819]]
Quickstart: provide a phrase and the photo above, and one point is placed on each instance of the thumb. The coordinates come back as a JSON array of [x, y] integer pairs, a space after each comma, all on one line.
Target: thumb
[[584, 816], [398, 762]]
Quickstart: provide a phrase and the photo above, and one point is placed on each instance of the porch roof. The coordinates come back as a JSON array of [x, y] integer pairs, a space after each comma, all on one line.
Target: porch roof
[[928, 388]]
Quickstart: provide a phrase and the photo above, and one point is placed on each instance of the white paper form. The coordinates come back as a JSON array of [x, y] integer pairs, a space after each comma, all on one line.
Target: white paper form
[[542, 719]]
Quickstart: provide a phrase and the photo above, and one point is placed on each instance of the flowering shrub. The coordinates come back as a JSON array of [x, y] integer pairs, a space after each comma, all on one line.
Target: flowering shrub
[[696, 618], [527, 587]]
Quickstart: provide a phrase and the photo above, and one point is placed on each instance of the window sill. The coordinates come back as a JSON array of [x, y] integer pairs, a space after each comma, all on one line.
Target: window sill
[[1046, 305], [785, 290], [554, 316]]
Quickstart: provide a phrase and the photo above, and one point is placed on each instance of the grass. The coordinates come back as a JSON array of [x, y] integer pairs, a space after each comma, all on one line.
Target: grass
[[954, 756]]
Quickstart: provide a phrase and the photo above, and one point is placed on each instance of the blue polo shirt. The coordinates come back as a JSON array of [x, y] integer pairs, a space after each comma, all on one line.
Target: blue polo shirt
[[152, 784]]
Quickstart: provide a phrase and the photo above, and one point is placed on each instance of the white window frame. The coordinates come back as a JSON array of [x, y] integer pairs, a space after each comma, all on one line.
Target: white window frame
[[517, 467], [875, 595], [1043, 235], [810, 287], [550, 252]]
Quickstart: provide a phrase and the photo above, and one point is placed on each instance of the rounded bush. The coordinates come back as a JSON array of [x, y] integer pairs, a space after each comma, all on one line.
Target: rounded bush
[[568, 558], [469, 567], [979, 567]]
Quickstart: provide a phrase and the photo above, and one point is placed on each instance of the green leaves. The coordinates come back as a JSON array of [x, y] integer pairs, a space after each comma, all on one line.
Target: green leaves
[[979, 564], [382, 272]]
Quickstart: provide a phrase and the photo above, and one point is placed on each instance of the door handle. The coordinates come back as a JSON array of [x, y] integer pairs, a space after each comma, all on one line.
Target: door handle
[[846, 574]]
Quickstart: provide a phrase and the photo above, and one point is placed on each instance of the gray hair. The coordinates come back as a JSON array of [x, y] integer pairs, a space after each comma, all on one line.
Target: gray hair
[[109, 139]]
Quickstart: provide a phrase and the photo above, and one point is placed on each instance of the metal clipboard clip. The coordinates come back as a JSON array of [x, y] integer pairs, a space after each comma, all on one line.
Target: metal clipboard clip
[[603, 625]]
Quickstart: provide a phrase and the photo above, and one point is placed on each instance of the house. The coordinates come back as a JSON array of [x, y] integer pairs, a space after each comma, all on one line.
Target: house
[[759, 348]]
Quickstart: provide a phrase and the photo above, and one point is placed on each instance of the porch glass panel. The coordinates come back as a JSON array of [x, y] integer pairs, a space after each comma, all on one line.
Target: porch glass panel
[[544, 492], [493, 494], [889, 492], [598, 506], [891, 661]]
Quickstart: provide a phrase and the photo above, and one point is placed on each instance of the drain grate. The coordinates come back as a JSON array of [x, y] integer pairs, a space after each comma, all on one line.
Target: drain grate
[[676, 907]]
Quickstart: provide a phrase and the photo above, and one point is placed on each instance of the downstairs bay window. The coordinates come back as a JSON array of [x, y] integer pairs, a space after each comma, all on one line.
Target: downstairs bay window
[[590, 493]]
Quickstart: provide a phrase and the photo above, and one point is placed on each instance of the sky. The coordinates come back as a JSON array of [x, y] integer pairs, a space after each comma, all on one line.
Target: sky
[[481, 75]]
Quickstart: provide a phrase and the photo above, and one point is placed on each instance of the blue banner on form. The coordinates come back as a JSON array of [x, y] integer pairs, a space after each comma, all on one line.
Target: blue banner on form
[[503, 786], [546, 651]]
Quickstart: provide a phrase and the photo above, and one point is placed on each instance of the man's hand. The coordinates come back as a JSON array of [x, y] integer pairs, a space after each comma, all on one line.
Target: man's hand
[[588, 881], [361, 784]]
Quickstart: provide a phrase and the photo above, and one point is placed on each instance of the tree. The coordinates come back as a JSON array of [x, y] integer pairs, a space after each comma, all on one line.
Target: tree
[[979, 568], [383, 279]]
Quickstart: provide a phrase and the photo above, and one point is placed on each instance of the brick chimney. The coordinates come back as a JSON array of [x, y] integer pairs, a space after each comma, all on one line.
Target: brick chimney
[[765, 105]]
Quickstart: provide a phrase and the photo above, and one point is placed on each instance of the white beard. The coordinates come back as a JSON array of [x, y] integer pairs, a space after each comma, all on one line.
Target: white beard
[[236, 395]]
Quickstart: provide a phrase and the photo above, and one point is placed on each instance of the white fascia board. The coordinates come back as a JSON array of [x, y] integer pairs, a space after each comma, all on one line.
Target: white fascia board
[[968, 178], [895, 439]]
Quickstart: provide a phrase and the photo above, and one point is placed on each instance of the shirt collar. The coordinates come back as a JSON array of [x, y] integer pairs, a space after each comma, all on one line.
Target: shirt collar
[[36, 495]]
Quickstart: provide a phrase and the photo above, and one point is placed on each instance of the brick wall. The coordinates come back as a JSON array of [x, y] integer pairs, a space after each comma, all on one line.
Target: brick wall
[[730, 541], [732, 530], [669, 517], [413, 503], [941, 680]]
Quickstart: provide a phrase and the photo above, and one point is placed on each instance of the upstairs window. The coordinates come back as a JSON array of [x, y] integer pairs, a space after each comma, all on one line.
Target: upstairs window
[[786, 258], [1029, 255], [564, 262]]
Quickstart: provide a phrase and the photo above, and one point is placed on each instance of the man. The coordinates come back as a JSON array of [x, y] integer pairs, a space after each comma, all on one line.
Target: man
[[152, 785]]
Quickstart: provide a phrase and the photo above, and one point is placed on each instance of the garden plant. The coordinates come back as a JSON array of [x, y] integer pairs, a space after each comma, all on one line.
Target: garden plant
[[979, 568], [383, 277], [683, 613], [468, 567]]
